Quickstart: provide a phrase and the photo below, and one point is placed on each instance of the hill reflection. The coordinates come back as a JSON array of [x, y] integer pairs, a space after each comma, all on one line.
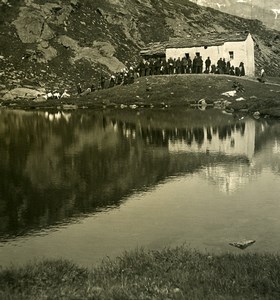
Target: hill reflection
[[57, 165]]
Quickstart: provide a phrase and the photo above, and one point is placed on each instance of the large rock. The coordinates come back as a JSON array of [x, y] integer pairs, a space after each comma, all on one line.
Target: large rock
[[100, 52], [68, 42], [23, 93], [48, 53], [31, 26]]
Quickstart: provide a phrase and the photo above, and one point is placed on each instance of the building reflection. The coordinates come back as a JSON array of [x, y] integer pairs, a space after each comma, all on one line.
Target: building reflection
[[235, 141], [229, 179]]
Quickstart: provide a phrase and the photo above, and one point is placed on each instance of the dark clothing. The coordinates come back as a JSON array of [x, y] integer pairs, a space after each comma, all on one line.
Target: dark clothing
[[184, 64], [79, 89], [157, 66], [213, 69], [178, 66], [224, 66], [131, 76], [141, 68], [102, 81], [112, 82], [242, 69], [189, 68], [119, 78], [194, 66], [163, 68], [207, 64], [147, 69], [228, 67], [199, 65], [231, 71], [170, 65], [237, 71], [220, 66], [152, 67]]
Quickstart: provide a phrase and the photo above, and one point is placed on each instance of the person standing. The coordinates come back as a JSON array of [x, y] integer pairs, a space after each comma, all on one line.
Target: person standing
[[170, 65], [112, 81], [184, 65], [262, 76], [194, 65], [141, 68], [224, 65], [152, 66], [242, 69], [163, 67], [189, 69], [147, 68], [228, 66], [220, 66], [199, 64], [207, 65], [102, 81], [178, 65], [157, 66], [79, 88]]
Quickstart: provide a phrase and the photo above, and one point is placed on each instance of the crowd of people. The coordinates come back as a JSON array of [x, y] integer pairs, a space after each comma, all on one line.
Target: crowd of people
[[161, 66], [186, 65], [124, 77]]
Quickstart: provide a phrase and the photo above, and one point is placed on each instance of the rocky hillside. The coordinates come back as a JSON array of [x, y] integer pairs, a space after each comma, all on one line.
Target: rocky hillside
[[55, 44], [266, 11]]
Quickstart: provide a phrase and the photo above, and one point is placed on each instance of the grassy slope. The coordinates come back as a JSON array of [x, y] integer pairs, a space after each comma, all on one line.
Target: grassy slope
[[177, 91], [177, 273]]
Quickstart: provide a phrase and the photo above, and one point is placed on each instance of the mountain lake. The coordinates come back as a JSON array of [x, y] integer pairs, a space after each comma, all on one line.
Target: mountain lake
[[87, 185]]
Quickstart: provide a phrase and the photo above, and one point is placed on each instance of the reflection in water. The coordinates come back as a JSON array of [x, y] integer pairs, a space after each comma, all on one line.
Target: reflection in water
[[229, 178], [56, 167], [236, 139], [276, 147]]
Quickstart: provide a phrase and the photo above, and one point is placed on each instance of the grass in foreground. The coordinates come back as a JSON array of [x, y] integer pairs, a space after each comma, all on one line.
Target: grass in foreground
[[177, 273]]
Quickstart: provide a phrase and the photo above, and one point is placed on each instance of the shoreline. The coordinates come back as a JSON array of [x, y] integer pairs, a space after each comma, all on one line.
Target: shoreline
[[234, 94], [171, 273]]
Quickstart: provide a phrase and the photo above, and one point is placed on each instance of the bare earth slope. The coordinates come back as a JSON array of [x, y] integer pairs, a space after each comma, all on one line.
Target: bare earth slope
[[55, 44]]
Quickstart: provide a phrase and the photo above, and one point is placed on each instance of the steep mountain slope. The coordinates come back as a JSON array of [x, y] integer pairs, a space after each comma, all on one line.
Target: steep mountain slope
[[266, 11], [59, 43]]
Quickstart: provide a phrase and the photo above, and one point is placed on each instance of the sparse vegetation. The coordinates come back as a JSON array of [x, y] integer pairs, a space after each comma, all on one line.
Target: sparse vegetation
[[177, 273]]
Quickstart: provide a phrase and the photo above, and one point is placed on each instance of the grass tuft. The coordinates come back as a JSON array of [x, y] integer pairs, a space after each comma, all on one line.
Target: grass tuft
[[177, 273]]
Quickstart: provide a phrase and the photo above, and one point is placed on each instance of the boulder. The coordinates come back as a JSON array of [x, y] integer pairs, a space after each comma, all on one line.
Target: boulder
[[23, 93], [44, 44], [47, 54], [31, 26], [68, 42]]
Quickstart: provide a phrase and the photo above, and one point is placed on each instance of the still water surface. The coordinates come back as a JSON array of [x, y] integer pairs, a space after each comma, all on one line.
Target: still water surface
[[86, 185]]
